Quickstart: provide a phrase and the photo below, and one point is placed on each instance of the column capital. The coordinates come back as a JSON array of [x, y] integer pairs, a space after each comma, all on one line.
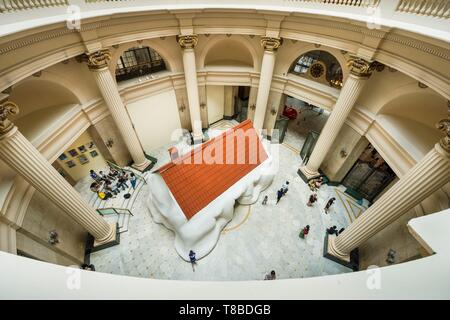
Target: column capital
[[362, 68], [271, 44], [444, 126], [97, 60], [7, 108], [187, 41]]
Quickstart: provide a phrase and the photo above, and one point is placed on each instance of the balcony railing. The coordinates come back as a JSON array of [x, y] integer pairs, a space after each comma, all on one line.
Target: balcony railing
[[351, 3], [17, 5], [434, 8]]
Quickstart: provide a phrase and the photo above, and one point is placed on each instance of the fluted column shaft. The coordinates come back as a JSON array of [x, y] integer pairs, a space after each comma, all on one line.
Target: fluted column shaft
[[344, 104], [187, 44], [265, 82], [265, 79], [427, 176], [190, 74], [110, 93], [26, 160]]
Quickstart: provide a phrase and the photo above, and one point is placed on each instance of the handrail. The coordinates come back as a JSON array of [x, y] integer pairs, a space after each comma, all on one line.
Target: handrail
[[100, 210]]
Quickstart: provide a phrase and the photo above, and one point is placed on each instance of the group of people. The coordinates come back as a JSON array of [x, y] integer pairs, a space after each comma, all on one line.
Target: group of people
[[110, 185], [315, 184], [282, 192], [334, 230]]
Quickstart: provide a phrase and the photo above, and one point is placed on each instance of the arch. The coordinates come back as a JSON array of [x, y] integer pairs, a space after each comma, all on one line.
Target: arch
[[218, 42], [410, 117], [34, 94], [294, 55]]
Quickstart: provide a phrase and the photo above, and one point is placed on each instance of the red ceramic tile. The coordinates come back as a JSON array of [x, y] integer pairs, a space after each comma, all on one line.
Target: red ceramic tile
[[195, 185]]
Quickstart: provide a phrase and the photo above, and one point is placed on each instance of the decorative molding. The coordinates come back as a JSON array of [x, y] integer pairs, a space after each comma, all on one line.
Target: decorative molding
[[97, 60], [360, 67], [444, 126], [271, 44], [187, 41], [7, 108]]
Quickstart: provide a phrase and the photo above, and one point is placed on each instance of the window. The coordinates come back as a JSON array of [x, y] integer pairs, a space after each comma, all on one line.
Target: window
[[334, 71], [138, 61]]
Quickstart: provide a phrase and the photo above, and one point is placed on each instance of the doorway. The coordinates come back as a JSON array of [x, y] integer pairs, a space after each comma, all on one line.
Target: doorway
[[304, 120], [369, 175], [241, 97]]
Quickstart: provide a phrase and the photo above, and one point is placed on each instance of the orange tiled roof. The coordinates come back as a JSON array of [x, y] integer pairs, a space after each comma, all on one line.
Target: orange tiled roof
[[195, 181]]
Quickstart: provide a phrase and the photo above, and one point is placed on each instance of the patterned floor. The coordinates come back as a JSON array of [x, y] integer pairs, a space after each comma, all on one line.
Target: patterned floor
[[258, 239]]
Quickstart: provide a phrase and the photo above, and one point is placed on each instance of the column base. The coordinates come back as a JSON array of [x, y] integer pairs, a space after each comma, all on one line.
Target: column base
[[93, 245], [198, 139], [306, 175], [350, 261], [144, 166]]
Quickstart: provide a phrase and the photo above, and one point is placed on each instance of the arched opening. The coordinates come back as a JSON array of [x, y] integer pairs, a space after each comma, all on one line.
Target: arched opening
[[35, 94], [138, 61], [411, 118], [229, 52], [320, 66]]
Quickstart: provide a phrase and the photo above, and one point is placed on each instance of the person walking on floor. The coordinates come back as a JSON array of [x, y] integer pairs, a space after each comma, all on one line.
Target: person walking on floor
[[279, 195], [329, 204], [264, 202], [304, 232], [285, 187], [312, 199]]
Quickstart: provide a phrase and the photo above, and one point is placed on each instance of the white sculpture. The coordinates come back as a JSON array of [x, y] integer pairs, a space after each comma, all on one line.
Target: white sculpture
[[202, 231]]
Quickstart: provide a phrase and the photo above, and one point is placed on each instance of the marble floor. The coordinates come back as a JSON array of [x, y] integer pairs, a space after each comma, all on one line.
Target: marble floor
[[258, 239], [307, 120]]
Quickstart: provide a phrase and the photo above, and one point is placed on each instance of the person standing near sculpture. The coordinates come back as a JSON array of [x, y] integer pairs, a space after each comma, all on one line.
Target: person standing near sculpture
[[193, 259]]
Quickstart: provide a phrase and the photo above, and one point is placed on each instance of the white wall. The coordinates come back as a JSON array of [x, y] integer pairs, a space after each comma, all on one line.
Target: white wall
[[155, 118], [215, 97]]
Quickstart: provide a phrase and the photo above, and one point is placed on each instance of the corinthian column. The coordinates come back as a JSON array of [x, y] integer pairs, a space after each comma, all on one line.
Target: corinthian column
[[98, 64], [188, 43], [270, 46], [427, 176], [360, 71], [18, 153]]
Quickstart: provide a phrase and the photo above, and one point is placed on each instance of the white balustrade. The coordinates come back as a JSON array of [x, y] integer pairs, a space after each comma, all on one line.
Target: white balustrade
[[434, 8]]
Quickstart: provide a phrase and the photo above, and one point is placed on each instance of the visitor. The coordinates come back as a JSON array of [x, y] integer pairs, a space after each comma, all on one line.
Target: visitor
[[264, 202], [122, 181], [133, 180], [315, 184], [103, 176], [270, 276], [332, 230], [94, 175], [304, 232], [312, 199], [111, 188], [329, 204], [340, 231], [89, 267], [95, 187], [284, 188], [279, 195], [193, 259]]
